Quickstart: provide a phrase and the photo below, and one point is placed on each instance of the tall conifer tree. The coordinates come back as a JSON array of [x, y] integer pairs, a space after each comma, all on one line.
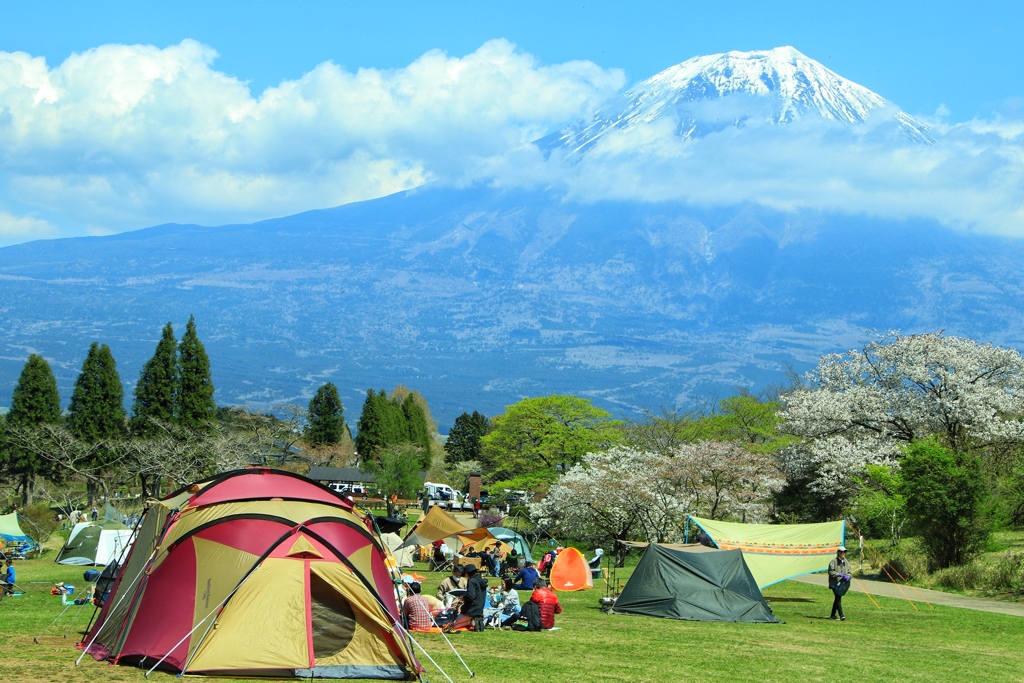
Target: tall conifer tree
[[35, 402], [369, 434], [326, 418], [97, 405], [194, 407], [463, 442], [154, 394], [396, 428], [416, 424]]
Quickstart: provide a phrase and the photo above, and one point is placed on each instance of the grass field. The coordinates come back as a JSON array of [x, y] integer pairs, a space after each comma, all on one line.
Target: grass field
[[892, 643]]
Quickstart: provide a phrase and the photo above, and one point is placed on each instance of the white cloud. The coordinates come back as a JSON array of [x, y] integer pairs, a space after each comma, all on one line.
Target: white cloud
[[120, 137], [972, 178], [21, 228]]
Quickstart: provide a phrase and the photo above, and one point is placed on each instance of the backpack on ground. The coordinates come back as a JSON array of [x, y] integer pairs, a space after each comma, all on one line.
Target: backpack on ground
[[531, 614]]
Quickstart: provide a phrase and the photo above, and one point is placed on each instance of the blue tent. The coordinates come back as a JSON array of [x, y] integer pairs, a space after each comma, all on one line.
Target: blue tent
[[513, 539]]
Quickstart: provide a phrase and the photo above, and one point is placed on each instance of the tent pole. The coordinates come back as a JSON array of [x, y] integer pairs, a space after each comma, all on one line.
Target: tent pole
[[194, 629], [427, 655], [73, 621], [401, 579], [119, 601], [36, 639], [445, 636]]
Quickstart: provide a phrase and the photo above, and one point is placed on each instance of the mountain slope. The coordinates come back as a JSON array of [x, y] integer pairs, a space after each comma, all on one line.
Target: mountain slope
[[707, 94], [478, 297]]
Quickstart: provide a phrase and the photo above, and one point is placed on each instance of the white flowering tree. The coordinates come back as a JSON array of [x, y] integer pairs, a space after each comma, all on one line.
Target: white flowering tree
[[862, 406], [613, 496], [726, 480], [627, 494]]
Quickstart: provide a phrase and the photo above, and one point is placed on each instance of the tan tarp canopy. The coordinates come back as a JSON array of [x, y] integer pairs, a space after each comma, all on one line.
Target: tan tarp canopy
[[471, 537], [434, 525]]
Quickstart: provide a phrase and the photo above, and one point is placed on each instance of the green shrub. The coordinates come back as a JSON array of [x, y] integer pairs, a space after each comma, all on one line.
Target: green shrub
[[909, 564], [945, 494], [969, 576], [1007, 573]]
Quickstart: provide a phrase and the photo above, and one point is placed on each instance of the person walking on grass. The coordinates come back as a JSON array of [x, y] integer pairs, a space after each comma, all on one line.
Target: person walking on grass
[[839, 575]]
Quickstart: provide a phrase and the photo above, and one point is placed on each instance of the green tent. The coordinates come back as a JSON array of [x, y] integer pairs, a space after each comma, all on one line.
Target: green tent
[[677, 583], [96, 543]]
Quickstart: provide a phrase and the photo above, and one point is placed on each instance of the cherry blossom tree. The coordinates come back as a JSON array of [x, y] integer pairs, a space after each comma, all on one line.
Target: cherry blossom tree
[[862, 406], [726, 480], [626, 494], [613, 496]]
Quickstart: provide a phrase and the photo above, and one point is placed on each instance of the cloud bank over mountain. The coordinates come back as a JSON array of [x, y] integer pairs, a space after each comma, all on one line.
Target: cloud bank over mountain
[[120, 137]]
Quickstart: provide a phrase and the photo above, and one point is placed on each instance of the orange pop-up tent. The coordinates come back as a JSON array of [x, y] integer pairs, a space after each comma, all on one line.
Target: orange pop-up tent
[[571, 572]]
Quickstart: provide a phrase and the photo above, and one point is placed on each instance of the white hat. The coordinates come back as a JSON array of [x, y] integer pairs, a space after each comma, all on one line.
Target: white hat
[[841, 549]]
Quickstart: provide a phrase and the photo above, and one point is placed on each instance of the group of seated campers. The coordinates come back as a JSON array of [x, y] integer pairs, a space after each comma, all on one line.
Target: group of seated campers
[[493, 558], [464, 602]]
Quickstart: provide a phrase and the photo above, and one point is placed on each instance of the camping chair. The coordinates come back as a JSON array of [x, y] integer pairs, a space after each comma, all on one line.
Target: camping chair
[[595, 564], [440, 561]]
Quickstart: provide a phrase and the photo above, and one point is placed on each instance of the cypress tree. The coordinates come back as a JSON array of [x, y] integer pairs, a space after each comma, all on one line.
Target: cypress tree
[[396, 429], [369, 436], [326, 417], [154, 394], [194, 407], [97, 410], [35, 402], [463, 442], [416, 426], [97, 404]]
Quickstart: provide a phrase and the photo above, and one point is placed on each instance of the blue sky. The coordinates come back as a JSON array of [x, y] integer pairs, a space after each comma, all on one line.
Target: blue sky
[[223, 112], [967, 56]]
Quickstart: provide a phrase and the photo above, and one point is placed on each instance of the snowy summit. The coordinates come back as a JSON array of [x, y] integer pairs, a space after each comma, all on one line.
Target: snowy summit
[[708, 94]]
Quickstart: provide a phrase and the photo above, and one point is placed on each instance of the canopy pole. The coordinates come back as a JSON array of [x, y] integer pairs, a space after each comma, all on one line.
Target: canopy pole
[[881, 562]]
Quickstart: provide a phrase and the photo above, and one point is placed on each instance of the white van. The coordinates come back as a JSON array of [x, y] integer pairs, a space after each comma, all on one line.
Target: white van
[[446, 497]]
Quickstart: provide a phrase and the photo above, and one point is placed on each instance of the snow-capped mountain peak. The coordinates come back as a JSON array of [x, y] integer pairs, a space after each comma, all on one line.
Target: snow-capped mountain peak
[[782, 86]]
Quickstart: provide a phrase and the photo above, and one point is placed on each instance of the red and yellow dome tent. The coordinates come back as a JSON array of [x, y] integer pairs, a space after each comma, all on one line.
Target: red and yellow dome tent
[[255, 572]]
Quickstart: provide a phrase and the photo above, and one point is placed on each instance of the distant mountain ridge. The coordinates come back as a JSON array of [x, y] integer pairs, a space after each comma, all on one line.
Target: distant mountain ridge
[[781, 86], [480, 296], [477, 297]]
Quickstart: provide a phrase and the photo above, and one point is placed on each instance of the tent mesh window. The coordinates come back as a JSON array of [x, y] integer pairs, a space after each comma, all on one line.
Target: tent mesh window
[[334, 621]]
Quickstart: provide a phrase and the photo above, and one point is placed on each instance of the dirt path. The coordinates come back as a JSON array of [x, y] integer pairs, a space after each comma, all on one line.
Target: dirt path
[[890, 590]]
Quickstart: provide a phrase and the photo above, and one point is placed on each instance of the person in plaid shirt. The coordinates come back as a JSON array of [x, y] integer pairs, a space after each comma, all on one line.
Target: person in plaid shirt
[[417, 610]]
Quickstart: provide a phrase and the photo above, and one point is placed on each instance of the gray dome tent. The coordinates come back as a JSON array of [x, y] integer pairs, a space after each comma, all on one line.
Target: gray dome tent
[[676, 583]]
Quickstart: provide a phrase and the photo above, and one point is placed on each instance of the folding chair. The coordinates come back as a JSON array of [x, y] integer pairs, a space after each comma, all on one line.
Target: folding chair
[[440, 562]]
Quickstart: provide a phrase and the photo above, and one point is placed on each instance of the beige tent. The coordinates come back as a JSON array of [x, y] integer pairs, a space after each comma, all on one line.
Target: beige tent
[[402, 555]]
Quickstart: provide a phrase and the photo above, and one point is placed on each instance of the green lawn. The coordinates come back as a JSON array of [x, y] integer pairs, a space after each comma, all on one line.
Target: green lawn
[[893, 643]]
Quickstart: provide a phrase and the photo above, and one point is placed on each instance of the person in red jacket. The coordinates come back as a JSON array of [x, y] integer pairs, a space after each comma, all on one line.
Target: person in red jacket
[[548, 603]]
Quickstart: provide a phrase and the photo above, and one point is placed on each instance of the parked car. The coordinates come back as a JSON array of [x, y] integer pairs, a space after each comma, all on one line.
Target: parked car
[[447, 497]]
